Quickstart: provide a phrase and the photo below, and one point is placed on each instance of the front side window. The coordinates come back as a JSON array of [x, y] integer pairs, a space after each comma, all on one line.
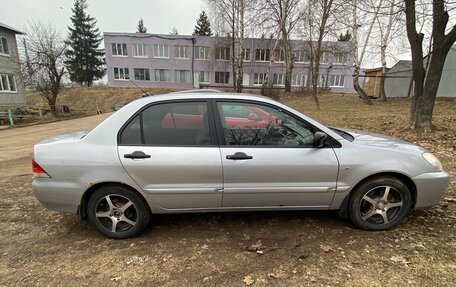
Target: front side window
[[4, 48], [119, 49], [161, 51], [139, 50], [300, 56], [169, 124], [182, 76], [162, 75], [324, 58], [142, 74], [322, 81], [201, 53], [262, 55], [259, 125], [121, 74], [181, 52], [222, 77], [8, 83]]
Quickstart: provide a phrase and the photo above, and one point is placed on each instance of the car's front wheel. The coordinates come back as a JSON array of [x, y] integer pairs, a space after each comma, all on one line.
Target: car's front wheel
[[118, 212], [379, 203]]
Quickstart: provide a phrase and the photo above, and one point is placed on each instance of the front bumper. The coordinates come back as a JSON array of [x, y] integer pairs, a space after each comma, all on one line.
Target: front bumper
[[430, 188], [60, 195]]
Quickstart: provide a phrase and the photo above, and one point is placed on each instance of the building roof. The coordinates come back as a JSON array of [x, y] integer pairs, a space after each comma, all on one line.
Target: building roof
[[401, 66], [15, 31], [374, 70]]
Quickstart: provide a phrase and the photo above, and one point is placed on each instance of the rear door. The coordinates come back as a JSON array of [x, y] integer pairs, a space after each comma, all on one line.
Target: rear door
[[269, 159], [169, 150]]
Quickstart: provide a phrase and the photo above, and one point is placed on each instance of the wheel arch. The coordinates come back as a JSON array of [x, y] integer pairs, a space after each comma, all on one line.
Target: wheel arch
[[82, 208], [343, 210]]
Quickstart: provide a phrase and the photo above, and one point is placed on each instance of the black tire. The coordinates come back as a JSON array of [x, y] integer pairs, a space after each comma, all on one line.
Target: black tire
[[369, 209], [118, 212]]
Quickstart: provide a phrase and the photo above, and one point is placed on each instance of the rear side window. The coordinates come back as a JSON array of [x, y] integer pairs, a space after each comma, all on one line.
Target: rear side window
[[169, 124]]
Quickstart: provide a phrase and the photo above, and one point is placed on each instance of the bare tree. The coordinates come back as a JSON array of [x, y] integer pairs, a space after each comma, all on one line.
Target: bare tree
[[43, 66], [232, 17], [284, 14], [316, 22], [385, 37], [359, 55], [426, 79]]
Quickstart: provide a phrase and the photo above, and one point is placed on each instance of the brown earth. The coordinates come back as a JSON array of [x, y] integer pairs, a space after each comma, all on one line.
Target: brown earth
[[42, 247]]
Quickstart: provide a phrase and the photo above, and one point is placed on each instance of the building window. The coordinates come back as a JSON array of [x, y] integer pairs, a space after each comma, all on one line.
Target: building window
[[299, 80], [300, 56], [182, 76], [139, 50], [161, 51], [4, 48], [201, 53], [119, 49], [259, 78], [8, 83], [279, 56], [222, 77], [324, 58], [162, 75], [121, 74], [278, 79], [222, 53], [262, 55], [182, 52], [203, 77], [246, 55], [340, 58], [322, 81], [142, 74], [337, 81]]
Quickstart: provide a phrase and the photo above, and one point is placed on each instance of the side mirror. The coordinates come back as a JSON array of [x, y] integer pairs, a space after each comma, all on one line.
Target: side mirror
[[253, 117], [320, 139]]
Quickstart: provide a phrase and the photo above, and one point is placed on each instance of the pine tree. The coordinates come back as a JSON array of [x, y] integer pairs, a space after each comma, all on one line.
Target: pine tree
[[84, 57], [344, 38], [203, 26], [141, 28]]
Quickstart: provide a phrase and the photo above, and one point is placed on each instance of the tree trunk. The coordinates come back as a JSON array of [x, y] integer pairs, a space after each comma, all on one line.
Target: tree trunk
[[315, 75], [358, 88], [382, 87]]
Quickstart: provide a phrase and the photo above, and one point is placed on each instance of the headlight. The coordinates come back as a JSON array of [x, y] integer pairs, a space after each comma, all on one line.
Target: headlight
[[432, 160]]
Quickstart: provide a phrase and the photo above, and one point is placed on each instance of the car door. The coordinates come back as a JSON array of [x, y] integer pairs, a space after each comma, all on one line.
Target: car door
[[272, 163], [169, 150]]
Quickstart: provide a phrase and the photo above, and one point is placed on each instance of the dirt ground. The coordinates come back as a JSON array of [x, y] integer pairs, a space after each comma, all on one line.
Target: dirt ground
[[39, 247]]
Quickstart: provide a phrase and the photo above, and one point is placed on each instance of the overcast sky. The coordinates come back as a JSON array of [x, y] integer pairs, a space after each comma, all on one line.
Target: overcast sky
[[160, 16]]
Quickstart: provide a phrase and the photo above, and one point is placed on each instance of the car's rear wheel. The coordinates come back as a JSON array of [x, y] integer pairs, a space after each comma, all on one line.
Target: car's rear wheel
[[379, 203], [118, 212]]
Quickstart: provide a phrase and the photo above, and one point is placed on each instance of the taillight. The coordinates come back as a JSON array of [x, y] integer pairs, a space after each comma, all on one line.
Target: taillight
[[38, 170]]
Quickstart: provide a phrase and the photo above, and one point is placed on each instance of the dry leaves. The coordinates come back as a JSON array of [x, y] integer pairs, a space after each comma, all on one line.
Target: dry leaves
[[248, 280], [326, 248]]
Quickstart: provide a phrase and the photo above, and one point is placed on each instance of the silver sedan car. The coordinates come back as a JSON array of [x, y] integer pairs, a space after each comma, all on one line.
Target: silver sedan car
[[204, 152]]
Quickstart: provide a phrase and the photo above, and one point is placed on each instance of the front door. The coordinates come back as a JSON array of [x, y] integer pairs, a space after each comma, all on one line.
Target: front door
[[168, 150], [269, 159]]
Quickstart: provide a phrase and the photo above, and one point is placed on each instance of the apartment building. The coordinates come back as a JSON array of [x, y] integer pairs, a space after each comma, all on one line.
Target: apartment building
[[179, 61], [11, 88]]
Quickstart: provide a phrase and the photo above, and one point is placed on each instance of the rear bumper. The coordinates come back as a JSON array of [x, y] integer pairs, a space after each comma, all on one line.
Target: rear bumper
[[60, 195], [430, 188]]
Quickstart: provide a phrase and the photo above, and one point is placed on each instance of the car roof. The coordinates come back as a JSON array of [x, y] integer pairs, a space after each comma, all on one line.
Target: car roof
[[204, 95]]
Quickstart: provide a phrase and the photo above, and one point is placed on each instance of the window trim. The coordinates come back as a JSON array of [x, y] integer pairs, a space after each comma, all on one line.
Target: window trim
[[206, 53], [160, 57], [210, 118], [221, 137], [186, 52], [8, 46], [117, 52], [124, 74], [330, 85]]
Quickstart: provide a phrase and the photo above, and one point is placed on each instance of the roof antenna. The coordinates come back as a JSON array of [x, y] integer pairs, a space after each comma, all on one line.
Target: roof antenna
[[145, 94]]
